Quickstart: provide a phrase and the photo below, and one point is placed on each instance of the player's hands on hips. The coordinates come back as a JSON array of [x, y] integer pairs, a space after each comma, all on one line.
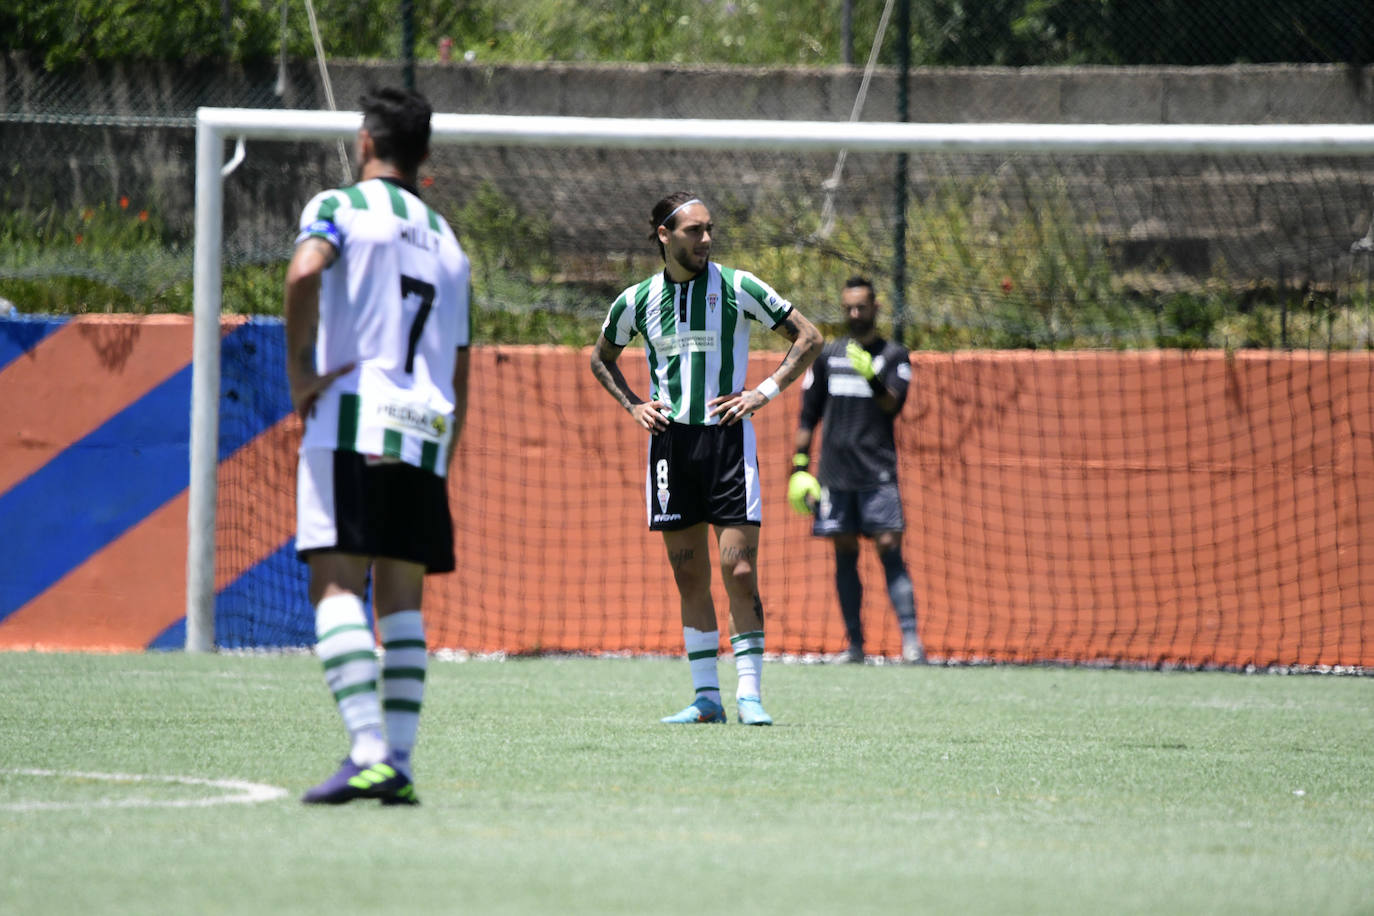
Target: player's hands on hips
[[803, 492], [649, 415], [306, 387], [733, 407], [860, 359]]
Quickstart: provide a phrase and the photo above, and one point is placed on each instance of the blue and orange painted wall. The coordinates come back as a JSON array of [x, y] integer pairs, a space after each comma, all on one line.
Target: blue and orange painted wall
[[94, 467]]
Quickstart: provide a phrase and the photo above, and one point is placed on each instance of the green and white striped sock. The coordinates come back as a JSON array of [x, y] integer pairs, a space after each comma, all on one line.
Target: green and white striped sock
[[748, 648], [344, 643], [702, 647], [405, 657]]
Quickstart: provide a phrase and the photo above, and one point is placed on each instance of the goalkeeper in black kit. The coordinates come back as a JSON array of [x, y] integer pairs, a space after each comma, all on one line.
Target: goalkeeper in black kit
[[855, 390]]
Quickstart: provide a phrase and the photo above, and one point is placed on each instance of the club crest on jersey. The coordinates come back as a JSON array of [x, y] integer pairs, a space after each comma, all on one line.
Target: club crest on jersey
[[712, 300]]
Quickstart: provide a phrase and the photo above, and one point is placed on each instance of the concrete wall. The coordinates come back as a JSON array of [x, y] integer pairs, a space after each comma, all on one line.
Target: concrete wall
[[1171, 95], [1258, 221], [1107, 95]]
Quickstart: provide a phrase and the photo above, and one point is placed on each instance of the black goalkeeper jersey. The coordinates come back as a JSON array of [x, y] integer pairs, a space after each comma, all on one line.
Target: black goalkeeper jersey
[[858, 451]]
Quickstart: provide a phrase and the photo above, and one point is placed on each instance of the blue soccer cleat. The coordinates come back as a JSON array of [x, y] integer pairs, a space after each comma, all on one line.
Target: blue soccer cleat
[[380, 780], [702, 710], [751, 711]]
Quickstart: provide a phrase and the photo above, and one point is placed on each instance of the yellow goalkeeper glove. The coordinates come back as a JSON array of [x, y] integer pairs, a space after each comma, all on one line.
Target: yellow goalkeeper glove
[[861, 360], [803, 490]]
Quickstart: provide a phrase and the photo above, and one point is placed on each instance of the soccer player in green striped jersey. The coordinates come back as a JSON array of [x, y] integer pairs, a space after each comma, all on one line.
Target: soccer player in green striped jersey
[[377, 330], [703, 462]]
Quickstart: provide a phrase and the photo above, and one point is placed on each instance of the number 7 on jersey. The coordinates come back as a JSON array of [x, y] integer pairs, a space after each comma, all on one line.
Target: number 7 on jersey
[[413, 287]]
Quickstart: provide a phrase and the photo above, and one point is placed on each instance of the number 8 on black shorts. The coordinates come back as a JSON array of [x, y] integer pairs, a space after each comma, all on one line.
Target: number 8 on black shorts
[[703, 474]]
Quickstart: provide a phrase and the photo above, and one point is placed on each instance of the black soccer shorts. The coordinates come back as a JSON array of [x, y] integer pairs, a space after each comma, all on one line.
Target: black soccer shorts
[[394, 510], [703, 474]]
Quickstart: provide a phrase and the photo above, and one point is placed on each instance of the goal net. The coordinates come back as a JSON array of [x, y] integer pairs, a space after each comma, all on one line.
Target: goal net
[[1139, 429]]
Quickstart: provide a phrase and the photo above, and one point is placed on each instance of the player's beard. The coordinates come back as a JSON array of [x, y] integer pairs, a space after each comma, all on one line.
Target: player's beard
[[859, 327], [692, 262]]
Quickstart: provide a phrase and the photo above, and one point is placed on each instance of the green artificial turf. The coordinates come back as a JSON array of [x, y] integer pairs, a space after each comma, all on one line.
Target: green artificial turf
[[549, 786]]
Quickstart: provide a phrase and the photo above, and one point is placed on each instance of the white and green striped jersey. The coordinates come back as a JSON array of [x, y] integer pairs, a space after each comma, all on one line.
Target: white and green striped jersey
[[694, 335], [395, 303]]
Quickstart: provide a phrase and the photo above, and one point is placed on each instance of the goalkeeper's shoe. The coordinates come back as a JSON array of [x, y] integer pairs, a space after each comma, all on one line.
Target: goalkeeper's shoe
[[380, 780], [751, 711], [912, 651], [701, 710], [854, 655]]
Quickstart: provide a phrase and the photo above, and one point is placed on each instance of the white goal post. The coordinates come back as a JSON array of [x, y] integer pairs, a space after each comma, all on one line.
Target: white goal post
[[216, 126]]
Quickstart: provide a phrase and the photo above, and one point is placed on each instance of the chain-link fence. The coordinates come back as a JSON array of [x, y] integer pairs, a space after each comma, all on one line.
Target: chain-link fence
[[1000, 250]]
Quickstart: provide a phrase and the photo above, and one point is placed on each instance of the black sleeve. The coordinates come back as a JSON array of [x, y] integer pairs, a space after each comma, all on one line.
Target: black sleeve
[[813, 397], [897, 374]]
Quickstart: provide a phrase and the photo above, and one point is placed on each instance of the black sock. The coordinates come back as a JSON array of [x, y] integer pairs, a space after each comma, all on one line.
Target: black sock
[[851, 592]]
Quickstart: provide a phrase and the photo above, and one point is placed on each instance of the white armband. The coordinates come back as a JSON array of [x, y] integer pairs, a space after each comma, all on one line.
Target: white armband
[[768, 388]]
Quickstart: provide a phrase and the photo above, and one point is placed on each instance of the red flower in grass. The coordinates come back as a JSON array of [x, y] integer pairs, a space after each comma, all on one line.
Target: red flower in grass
[[79, 238], [123, 201], [143, 216]]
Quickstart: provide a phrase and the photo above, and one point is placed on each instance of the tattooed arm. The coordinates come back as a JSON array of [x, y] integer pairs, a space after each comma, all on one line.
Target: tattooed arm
[[607, 371], [806, 346], [806, 342]]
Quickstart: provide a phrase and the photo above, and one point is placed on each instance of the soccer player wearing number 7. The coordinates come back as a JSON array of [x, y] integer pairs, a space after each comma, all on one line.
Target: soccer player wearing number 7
[[855, 390], [703, 465], [377, 331]]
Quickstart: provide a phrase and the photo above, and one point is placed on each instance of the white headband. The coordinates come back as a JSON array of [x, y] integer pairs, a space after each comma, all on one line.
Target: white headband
[[664, 221]]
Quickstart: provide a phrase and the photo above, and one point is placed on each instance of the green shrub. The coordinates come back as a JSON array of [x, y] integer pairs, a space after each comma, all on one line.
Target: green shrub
[[980, 275]]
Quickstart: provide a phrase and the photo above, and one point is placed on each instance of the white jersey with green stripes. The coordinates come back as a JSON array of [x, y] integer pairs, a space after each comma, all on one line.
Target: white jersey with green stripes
[[694, 334], [395, 304]]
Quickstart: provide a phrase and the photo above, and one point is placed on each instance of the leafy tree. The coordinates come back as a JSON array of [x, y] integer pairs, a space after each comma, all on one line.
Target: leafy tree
[[1128, 32], [758, 32], [67, 32]]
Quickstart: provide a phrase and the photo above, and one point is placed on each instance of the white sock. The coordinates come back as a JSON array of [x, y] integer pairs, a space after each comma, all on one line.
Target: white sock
[[344, 643], [748, 648], [702, 647], [405, 658]]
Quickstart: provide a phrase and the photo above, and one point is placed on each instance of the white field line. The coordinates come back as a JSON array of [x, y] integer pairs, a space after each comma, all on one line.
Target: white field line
[[245, 793]]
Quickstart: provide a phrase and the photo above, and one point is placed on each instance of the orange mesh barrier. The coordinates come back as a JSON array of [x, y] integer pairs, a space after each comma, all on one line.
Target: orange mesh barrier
[[1196, 508], [1140, 508]]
